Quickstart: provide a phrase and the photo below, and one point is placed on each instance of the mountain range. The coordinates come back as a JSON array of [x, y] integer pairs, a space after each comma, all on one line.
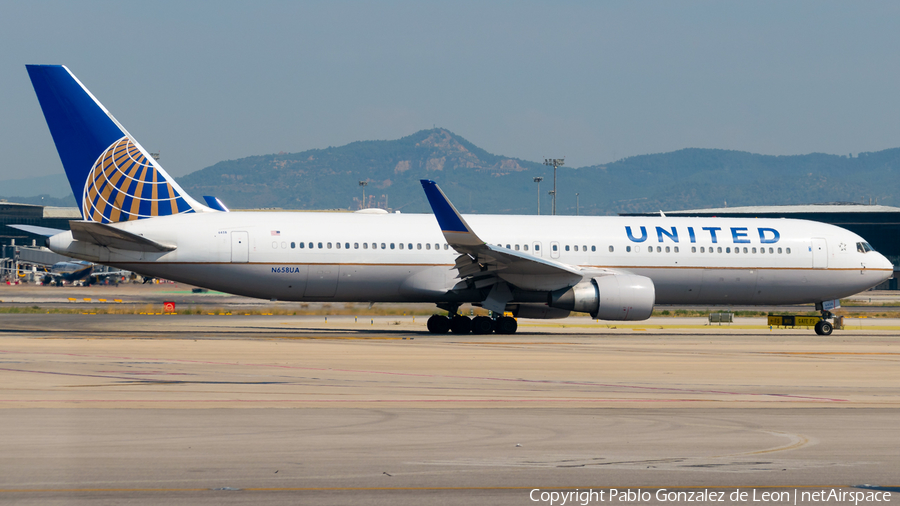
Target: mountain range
[[480, 182]]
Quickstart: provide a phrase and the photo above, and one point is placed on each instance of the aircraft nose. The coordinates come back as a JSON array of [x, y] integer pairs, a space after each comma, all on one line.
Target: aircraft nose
[[885, 263]]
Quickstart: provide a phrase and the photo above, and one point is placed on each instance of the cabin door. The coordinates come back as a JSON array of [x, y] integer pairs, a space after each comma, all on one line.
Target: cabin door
[[240, 247], [819, 253]]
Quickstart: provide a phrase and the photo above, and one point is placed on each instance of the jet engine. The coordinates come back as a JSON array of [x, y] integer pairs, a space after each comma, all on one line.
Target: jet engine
[[613, 297]]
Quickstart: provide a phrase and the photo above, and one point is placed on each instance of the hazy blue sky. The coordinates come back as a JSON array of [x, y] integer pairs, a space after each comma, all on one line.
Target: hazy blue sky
[[594, 81]]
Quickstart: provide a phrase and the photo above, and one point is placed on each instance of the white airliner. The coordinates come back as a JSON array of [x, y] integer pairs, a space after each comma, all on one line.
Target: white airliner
[[137, 218]]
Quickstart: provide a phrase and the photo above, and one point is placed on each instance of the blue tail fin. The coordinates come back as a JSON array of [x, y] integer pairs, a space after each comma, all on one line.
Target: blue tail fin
[[113, 178]]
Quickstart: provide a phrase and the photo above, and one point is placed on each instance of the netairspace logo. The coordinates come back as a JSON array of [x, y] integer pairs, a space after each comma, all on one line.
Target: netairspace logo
[[662, 495]]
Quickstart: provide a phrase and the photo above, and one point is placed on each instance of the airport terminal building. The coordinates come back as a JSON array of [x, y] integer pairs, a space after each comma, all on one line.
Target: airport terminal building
[[27, 214]]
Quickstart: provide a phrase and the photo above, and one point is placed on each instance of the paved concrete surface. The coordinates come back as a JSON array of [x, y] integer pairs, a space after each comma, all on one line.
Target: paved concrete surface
[[132, 409]]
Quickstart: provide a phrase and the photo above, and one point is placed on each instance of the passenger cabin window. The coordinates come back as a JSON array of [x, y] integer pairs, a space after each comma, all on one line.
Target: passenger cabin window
[[320, 245], [338, 245], [428, 245], [787, 250], [611, 249], [419, 246], [437, 246], [356, 245], [567, 247], [365, 245], [593, 248], [382, 246], [302, 245], [392, 245], [525, 246], [401, 245], [409, 246]]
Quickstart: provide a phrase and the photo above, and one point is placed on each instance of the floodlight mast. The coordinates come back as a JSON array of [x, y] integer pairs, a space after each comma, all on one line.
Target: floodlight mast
[[538, 180], [362, 184], [556, 163]]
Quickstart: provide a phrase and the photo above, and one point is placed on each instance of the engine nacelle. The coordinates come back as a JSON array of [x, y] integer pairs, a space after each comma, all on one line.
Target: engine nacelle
[[537, 311], [614, 297]]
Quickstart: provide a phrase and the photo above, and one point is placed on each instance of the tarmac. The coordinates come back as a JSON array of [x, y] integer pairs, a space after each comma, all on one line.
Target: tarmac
[[283, 409]]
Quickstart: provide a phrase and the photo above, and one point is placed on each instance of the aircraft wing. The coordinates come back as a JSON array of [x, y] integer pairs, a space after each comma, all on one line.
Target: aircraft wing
[[484, 264]]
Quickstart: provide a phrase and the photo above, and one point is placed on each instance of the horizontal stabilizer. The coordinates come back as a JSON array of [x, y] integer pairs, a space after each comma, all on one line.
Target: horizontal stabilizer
[[107, 235], [215, 203], [33, 229]]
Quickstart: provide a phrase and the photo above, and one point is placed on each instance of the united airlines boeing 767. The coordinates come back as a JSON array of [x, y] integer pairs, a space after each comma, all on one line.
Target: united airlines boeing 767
[[137, 217]]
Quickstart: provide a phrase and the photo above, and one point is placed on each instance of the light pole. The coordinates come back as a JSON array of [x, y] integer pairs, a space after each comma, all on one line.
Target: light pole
[[576, 204], [556, 163], [538, 180], [362, 184]]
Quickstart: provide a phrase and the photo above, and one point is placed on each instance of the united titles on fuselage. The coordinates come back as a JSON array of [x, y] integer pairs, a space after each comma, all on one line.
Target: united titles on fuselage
[[739, 235]]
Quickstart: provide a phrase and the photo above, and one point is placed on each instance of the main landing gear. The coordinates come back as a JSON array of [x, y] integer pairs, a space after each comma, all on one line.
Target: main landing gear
[[458, 324]]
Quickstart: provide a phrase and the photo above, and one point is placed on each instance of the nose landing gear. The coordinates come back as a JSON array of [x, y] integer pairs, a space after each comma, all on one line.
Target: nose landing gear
[[824, 327]]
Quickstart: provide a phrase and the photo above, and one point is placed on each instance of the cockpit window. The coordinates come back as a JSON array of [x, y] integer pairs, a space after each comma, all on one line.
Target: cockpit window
[[864, 247]]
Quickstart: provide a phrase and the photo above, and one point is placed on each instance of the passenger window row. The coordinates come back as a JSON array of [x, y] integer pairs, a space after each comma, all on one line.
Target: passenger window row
[[745, 250], [711, 249], [356, 245]]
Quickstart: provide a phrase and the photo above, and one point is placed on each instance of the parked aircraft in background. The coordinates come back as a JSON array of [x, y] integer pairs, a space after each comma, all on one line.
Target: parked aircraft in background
[[77, 270], [136, 217]]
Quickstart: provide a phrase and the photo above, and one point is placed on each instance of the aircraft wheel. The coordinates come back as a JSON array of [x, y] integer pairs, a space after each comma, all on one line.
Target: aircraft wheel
[[460, 324], [482, 325], [506, 325], [824, 328], [438, 324]]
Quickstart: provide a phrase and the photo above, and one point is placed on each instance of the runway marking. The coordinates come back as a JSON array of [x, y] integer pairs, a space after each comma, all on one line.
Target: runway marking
[[825, 353], [797, 441], [363, 401], [374, 489], [440, 376]]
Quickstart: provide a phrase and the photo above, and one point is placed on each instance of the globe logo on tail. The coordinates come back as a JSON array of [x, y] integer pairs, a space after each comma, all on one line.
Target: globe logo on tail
[[125, 185]]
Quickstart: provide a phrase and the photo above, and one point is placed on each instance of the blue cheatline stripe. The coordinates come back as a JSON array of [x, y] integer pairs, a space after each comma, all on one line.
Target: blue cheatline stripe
[[447, 215], [81, 129]]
